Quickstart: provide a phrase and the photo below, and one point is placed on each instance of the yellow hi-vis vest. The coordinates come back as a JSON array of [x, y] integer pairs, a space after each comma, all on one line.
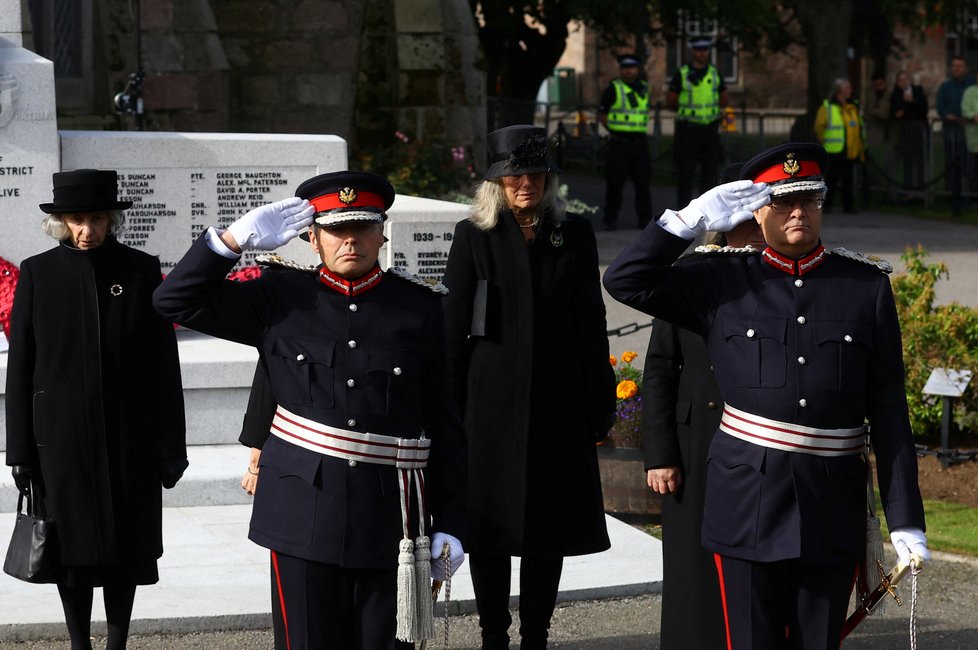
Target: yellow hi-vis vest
[[834, 138], [700, 103], [630, 112]]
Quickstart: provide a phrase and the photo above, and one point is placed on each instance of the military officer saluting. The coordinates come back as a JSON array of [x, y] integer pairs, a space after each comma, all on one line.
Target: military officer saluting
[[806, 348], [356, 360]]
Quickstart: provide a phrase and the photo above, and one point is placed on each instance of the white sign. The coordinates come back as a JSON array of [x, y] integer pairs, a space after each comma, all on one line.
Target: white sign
[[947, 382]]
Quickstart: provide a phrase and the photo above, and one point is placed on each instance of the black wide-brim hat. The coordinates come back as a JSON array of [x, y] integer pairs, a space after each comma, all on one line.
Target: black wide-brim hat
[[85, 190], [789, 168], [517, 150], [344, 197]]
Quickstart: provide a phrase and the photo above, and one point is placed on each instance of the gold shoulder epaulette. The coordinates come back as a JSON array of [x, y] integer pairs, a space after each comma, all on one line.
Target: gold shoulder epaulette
[[713, 249], [431, 285], [872, 260], [271, 259]]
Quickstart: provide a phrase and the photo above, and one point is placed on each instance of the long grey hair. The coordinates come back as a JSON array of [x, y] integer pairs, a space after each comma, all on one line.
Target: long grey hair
[[54, 226], [490, 201]]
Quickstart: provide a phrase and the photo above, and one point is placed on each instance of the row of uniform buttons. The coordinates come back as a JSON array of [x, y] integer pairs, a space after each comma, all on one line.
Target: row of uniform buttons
[[351, 383]]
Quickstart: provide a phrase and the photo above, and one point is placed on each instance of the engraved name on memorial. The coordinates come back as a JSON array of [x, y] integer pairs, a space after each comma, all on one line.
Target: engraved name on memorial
[[171, 207]]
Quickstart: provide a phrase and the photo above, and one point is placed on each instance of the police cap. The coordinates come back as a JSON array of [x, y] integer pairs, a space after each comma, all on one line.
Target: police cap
[[701, 43], [789, 168], [342, 197], [628, 61]]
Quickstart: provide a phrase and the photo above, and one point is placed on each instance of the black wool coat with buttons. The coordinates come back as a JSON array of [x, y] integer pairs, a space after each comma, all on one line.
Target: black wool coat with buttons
[[372, 363], [681, 407], [94, 398], [529, 350], [820, 350]]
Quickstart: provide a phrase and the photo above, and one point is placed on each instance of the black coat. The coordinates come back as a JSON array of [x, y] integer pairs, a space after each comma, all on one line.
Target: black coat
[[371, 363], [529, 351], [681, 407], [94, 398], [820, 350]]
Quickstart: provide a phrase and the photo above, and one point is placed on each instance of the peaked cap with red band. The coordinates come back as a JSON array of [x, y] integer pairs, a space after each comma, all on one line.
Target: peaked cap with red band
[[341, 197], [789, 168]]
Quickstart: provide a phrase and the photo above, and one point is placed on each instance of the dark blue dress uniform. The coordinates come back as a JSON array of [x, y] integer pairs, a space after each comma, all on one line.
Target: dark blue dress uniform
[[813, 342], [822, 350], [366, 355]]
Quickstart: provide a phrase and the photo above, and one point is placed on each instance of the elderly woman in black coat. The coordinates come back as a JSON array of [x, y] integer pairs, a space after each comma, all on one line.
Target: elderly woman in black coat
[[95, 420], [528, 344]]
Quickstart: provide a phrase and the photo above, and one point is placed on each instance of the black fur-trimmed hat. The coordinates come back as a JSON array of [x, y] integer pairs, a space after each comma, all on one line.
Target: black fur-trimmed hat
[[517, 150]]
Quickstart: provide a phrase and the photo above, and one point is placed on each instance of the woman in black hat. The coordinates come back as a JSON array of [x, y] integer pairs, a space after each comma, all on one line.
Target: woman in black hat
[[528, 344], [95, 421]]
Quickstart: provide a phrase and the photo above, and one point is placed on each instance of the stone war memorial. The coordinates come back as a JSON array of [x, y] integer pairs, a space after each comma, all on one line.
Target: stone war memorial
[[180, 183]]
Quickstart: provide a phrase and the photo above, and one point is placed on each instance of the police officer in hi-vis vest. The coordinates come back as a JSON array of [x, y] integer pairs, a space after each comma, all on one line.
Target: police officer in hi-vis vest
[[805, 344], [364, 473], [624, 111], [697, 94]]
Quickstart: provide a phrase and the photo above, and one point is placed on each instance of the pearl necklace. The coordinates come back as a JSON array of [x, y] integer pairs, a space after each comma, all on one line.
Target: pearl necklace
[[533, 224]]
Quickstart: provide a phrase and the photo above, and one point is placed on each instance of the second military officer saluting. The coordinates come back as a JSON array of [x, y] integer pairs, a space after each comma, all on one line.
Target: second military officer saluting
[[356, 359], [806, 347]]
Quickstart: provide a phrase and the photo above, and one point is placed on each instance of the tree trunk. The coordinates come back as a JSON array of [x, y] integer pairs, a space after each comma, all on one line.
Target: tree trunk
[[825, 25]]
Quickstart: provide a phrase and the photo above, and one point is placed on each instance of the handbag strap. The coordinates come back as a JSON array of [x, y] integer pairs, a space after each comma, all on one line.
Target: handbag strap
[[20, 503]]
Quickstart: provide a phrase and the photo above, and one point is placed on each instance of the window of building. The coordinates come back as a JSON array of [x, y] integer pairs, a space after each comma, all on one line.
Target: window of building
[[725, 54], [62, 31]]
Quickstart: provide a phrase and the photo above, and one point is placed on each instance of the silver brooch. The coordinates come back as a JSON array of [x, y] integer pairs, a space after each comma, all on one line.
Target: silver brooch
[[116, 289], [557, 237]]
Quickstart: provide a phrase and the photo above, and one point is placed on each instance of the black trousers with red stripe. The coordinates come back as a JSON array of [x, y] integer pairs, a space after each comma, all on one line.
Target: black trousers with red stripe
[[327, 607], [788, 604]]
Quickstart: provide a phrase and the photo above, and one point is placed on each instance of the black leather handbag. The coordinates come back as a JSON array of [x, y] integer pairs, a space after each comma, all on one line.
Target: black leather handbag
[[32, 555]]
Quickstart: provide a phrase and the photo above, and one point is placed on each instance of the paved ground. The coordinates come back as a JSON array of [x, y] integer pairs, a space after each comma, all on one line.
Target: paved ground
[[946, 619]]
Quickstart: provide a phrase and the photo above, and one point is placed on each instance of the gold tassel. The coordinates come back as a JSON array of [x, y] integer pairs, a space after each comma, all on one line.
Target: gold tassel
[[406, 593], [422, 576]]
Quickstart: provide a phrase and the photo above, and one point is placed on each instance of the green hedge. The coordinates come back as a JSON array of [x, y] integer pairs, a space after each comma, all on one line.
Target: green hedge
[[934, 336]]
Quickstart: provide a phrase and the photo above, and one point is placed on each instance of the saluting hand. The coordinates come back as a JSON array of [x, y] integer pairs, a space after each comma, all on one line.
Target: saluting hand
[[720, 209], [269, 226]]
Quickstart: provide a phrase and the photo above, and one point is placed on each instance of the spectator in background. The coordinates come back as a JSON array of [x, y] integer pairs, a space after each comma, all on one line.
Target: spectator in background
[[879, 140], [908, 110], [839, 128], [949, 97], [969, 111], [697, 93], [624, 111]]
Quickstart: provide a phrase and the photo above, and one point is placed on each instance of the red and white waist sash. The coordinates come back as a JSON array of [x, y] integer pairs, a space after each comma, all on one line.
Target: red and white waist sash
[[403, 453], [792, 437]]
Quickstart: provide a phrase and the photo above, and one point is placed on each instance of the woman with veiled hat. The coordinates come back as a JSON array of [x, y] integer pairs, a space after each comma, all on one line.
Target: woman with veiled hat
[[528, 345], [95, 421]]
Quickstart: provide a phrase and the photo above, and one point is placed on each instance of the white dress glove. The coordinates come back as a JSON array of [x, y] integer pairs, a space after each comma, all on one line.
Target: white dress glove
[[910, 541], [720, 209], [438, 541], [272, 225]]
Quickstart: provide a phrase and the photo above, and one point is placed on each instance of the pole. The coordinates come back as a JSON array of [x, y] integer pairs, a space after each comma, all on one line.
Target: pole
[[946, 409]]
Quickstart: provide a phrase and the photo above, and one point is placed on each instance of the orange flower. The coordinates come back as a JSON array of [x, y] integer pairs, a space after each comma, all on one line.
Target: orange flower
[[626, 389], [612, 360], [628, 356]]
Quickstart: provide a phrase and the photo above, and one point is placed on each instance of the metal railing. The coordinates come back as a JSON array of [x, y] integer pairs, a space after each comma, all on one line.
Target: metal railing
[[913, 162]]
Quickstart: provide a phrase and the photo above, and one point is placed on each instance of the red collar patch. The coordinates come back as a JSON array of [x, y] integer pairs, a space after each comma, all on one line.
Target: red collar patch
[[801, 266], [351, 287]]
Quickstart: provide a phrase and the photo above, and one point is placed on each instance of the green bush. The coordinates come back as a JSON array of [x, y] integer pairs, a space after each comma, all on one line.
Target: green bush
[[934, 336], [418, 167]]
